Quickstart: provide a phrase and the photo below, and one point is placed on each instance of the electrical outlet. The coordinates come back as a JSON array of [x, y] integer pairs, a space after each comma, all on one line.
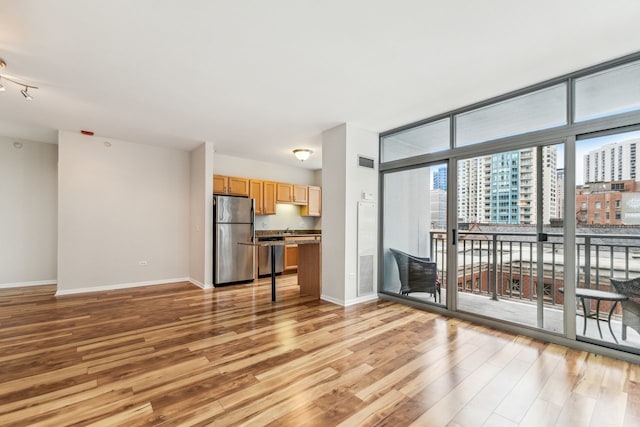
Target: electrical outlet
[[142, 263]]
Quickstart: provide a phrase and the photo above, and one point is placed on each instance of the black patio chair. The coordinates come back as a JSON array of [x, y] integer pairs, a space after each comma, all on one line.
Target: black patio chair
[[631, 307], [417, 274]]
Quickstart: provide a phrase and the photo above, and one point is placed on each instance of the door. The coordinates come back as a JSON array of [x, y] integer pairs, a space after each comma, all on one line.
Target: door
[[234, 262], [414, 253], [510, 236], [255, 192], [234, 209], [607, 205]]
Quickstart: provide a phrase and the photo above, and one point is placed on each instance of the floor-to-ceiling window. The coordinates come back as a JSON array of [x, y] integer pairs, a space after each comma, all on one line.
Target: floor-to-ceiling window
[[510, 248], [525, 206]]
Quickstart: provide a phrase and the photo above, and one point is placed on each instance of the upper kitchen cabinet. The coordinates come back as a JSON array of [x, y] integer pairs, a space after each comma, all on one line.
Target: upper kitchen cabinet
[[284, 193], [256, 192], [268, 198], [230, 185], [299, 194], [219, 184], [314, 203]]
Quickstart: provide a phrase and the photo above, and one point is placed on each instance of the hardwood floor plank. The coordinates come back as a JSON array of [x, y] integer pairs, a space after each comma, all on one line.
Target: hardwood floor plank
[[180, 355]]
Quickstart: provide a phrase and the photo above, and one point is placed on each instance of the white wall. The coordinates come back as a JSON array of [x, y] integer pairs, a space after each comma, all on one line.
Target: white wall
[[358, 180], [286, 215], [343, 182], [200, 259], [247, 168], [117, 206], [197, 216], [29, 213], [334, 178]]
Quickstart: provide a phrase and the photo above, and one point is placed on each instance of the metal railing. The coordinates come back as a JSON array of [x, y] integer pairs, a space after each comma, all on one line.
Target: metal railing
[[505, 264]]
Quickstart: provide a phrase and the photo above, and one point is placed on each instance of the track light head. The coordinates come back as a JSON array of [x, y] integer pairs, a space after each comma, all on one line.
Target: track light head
[[25, 92]]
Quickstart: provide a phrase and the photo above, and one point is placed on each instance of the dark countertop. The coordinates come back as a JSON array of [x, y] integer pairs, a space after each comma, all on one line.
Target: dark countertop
[[282, 243], [292, 233]]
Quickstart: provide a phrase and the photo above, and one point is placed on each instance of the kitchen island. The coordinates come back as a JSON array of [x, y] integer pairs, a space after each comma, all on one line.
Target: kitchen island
[[308, 264]]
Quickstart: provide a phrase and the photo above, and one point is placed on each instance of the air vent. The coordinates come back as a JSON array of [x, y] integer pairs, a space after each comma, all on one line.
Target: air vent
[[365, 162], [367, 245], [365, 276]]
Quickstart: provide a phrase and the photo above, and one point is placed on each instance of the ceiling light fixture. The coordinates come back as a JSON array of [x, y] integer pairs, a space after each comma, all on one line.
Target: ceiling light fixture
[[24, 92], [302, 154]]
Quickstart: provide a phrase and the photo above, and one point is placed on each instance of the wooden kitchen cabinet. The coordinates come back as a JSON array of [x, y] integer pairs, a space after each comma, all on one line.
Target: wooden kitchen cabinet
[[314, 202], [219, 184], [238, 186], [290, 258], [299, 194], [230, 185], [268, 198], [284, 193], [255, 192], [291, 253]]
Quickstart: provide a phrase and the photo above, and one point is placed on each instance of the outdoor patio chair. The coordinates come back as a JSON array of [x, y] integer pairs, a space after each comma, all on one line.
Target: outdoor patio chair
[[417, 274], [630, 307]]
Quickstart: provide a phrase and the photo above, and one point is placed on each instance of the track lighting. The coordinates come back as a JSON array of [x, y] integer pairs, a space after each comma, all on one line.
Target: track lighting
[[24, 92]]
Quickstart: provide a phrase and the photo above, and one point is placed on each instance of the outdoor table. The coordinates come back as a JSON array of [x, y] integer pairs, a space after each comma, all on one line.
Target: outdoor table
[[598, 295]]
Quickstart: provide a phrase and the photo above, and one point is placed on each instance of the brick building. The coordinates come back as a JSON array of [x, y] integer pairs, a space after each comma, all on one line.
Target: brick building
[[601, 202]]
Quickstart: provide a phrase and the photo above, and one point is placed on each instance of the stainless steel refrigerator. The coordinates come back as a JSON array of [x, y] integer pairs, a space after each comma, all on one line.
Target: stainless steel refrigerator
[[233, 223]]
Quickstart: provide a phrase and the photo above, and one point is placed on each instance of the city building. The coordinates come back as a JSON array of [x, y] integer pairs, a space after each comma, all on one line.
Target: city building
[[560, 193], [604, 203], [438, 209], [440, 179], [469, 190], [501, 188], [611, 162]]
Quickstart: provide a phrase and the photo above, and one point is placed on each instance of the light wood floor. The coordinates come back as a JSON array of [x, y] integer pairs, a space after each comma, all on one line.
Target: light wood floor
[[178, 355]]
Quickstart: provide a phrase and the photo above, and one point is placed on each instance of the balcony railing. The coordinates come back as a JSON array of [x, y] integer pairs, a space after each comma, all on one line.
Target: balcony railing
[[504, 264]]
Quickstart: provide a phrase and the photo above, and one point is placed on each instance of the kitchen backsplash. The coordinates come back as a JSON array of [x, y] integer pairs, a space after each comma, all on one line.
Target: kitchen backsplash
[[286, 216]]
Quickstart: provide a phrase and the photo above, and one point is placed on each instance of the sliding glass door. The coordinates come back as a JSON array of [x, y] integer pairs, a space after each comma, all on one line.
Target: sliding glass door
[[415, 218], [510, 249], [607, 199]]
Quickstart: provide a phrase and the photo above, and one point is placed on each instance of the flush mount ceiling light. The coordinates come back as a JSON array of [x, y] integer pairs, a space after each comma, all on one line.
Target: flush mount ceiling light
[[302, 154], [24, 92]]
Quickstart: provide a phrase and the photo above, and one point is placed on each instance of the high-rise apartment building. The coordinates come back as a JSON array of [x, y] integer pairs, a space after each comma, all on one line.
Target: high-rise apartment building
[[470, 194], [502, 188], [560, 193], [612, 162], [440, 179]]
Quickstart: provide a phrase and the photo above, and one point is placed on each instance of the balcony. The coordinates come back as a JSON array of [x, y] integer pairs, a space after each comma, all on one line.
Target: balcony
[[497, 277]]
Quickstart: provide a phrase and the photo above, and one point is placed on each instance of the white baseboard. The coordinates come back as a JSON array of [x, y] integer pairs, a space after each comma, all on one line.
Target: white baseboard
[[352, 301], [332, 300], [22, 284], [197, 283], [121, 286], [361, 299]]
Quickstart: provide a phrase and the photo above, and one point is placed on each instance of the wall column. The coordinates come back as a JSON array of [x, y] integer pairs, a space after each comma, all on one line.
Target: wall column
[[343, 185]]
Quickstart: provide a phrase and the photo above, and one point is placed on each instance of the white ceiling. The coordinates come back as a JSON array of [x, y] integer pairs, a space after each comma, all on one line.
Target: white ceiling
[[260, 78]]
